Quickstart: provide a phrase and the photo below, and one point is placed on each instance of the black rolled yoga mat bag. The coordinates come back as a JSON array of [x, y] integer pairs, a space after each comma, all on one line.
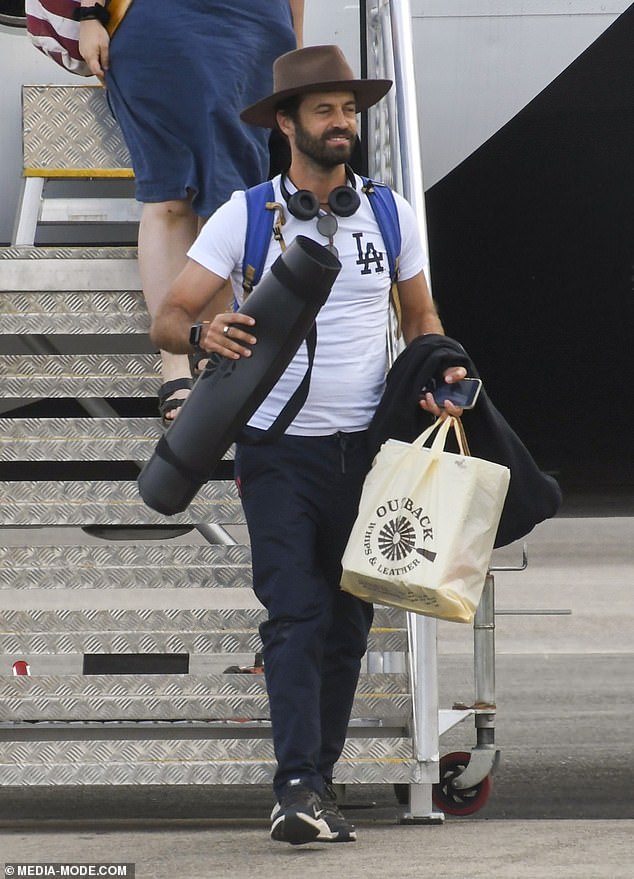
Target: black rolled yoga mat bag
[[284, 304]]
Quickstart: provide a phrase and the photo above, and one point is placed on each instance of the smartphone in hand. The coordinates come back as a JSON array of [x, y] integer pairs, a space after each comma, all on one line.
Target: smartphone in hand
[[463, 393]]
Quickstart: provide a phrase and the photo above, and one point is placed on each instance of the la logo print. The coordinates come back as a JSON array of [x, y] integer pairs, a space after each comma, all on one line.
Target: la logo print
[[368, 257]]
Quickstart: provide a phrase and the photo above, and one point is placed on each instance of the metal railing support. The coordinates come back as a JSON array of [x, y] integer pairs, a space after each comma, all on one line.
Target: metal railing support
[[407, 171]]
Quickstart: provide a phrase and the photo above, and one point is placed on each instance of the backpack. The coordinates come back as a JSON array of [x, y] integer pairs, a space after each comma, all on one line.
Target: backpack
[[261, 224]]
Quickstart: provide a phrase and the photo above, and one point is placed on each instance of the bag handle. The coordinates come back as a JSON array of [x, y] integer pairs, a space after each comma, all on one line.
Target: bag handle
[[461, 437], [441, 427]]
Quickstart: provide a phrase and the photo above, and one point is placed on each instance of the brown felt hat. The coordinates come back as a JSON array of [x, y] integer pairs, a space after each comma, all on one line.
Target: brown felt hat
[[313, 69]]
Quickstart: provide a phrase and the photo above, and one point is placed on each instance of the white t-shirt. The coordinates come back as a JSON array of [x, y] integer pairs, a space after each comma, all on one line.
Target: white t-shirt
[[350, 360]]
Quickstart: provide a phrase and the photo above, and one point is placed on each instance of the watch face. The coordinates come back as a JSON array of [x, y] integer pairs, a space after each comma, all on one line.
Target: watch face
[[194, 334]]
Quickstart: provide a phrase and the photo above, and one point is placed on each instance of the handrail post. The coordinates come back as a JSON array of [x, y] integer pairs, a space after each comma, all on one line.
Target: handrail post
[[422, 631]]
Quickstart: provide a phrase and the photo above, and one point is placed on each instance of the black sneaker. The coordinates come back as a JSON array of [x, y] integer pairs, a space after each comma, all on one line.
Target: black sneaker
[[297, 818], [339, 829]]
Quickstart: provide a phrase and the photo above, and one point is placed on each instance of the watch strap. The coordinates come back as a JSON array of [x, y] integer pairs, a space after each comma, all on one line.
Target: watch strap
[[89, 13]]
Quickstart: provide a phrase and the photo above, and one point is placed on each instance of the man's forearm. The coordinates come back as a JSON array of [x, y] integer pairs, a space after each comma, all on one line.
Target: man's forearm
[[429, 324], [418, 310], [170, 330], [195, 295], [420, 324]]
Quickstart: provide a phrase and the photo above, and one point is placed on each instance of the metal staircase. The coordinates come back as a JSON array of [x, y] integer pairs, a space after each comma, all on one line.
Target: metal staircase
[[82, 596], [126, 619]]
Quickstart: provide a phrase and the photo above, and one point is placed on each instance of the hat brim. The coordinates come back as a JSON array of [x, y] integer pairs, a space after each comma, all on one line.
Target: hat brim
[[367, 93]]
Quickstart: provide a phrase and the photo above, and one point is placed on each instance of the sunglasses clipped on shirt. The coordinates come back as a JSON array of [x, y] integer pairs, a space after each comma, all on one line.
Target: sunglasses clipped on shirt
[[327, 226]]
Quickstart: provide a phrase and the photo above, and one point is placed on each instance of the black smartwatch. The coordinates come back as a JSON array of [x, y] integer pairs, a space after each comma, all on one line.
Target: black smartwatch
[[195, 333], [89, 13]]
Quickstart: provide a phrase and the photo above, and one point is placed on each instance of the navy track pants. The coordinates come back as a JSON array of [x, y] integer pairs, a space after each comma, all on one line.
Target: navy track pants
[[300, 497]]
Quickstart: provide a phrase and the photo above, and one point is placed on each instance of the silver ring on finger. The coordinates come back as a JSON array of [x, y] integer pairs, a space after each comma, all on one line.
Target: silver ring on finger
[[226, 330]]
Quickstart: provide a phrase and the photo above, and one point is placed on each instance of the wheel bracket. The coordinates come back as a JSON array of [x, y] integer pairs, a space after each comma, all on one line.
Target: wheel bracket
[[481, 764]]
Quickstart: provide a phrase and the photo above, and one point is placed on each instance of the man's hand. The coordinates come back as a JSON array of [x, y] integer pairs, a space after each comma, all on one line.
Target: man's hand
[[453, 374], [228, 334]]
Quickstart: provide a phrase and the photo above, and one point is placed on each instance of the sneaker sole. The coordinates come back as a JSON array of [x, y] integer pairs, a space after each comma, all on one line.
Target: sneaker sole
[[298, 828], [337, 837]]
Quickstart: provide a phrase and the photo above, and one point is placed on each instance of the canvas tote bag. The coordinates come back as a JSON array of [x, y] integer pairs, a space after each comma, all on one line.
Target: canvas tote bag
[[423, 537]]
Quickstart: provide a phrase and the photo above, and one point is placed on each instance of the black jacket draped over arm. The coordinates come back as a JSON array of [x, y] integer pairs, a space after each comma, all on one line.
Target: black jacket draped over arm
[[532, 496]]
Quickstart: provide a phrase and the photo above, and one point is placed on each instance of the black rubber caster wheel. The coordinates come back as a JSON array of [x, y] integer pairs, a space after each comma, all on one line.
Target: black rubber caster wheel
[[401, 791]]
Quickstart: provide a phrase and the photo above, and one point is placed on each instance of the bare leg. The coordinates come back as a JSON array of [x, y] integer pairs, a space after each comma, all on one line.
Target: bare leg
[[166, 232]]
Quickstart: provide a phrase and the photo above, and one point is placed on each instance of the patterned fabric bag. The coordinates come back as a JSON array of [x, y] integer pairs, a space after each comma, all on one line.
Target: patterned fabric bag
[[53, 30]]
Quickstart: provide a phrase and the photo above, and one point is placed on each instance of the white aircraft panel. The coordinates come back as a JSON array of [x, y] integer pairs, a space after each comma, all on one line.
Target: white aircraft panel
[[478, 62]]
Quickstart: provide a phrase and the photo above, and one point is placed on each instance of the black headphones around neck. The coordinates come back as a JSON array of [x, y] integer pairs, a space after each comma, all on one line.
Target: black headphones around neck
[[343, 201]]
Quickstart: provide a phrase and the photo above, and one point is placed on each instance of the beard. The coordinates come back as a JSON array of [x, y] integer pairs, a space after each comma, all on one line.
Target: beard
[[316, 148]]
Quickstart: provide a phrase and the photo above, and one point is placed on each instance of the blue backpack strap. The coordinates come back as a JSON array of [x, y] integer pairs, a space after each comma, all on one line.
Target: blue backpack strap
[[383, 204], [258, 236], [385, 211]]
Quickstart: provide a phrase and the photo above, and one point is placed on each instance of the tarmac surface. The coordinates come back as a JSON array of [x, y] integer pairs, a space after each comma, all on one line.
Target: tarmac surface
[[562, 800]]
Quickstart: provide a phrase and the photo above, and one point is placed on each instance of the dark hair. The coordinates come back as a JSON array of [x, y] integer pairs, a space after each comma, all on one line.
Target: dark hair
[[290, 107]]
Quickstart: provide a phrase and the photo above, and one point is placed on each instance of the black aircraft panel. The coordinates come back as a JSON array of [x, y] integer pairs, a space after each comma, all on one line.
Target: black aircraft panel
[[532, 262]]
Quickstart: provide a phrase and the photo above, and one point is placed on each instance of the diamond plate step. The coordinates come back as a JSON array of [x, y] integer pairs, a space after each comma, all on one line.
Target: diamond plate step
[[109, 503], [86, 269], [80, 375], [166, 697], [192, 761], [387, 620], [87, 252], [124, 566], [171, 630], [74, 312], [80, 439], [71, 127]]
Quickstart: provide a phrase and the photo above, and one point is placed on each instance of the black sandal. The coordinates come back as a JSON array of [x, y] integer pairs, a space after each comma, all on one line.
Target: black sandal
[[169, 405], [196, 359]]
